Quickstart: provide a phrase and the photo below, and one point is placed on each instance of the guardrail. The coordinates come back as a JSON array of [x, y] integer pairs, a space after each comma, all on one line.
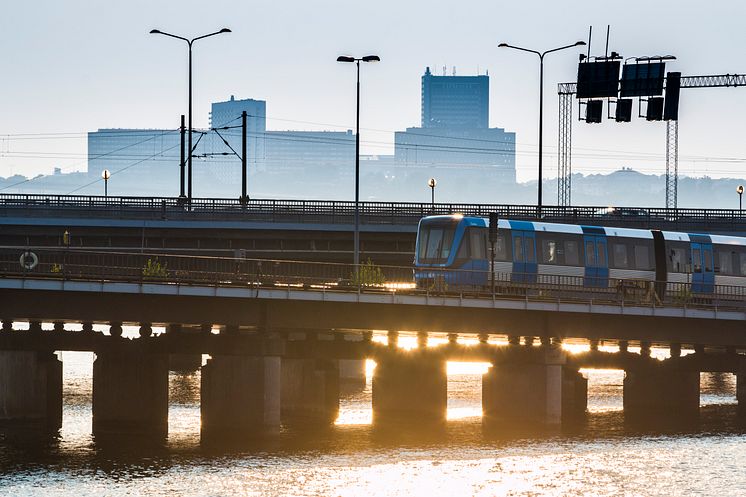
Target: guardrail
[[87, 265], [342, 212]]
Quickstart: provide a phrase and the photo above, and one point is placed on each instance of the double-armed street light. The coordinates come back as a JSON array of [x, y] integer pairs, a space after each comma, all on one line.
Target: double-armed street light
[[189, 43], [105, 174], [541, 96], [357, 60]]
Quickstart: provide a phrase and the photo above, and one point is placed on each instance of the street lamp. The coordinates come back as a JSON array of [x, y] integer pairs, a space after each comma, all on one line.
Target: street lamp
[[739, 190], [106, 175], [431, 183], [189, 42], [541, 95], [357, 60]]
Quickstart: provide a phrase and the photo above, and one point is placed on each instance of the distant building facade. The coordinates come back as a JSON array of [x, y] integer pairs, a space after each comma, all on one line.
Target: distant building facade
[[314, 151], [455, 130], [455, 101], [135, 156]]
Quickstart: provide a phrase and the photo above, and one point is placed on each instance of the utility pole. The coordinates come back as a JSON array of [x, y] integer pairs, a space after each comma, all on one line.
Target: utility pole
[[244, 172], [182, 164]]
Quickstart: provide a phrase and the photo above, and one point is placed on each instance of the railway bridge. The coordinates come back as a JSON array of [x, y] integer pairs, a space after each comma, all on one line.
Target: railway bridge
[[277, 330]]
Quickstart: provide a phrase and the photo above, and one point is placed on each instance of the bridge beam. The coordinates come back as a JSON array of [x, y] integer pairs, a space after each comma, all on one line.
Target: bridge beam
[[130, 392], [532, 387], [31, 388], [660, 389], [410, 387], [310, 391]]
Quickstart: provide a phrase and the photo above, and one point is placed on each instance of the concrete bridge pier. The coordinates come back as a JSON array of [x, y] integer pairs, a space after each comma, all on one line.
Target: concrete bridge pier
[[31, 388], [410, 387], [309, 391], [241, 394], [352, 373], [741, 388], [660, 389], [130, 392], [532, 387]]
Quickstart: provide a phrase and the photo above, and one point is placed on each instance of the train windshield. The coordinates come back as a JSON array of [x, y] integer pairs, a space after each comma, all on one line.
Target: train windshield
[[435, 241]]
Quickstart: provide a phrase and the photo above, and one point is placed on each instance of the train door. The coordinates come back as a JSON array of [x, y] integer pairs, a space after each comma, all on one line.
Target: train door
[[596, 261], [703, 273], [524, 257]]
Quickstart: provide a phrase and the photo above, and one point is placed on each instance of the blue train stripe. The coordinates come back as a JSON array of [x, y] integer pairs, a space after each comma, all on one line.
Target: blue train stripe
[[521, 225]]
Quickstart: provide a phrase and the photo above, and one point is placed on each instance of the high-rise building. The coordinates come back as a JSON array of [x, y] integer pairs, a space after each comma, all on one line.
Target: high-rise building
[[455, 132], [455, 101]]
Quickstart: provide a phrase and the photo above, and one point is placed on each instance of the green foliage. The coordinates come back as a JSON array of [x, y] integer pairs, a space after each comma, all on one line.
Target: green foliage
[[154, 269], [368, 274], [682, 296]]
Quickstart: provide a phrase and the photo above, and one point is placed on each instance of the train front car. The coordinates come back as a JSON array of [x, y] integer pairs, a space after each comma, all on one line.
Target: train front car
[[451, 253]]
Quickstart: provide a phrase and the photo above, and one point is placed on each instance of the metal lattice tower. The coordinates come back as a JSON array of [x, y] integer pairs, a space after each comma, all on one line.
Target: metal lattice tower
[[672, 163], [564, 150], [565, 92]]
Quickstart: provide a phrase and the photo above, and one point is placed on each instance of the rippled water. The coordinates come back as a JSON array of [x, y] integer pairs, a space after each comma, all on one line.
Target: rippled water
[[604, 456]]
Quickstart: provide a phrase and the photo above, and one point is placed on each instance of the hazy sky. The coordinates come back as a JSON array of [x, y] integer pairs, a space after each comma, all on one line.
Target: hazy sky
[[73, 66]]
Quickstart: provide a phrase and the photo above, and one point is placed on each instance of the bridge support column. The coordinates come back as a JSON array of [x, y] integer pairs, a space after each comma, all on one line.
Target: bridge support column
[[130, 392], [530, 387], [31, 388], [741, 389], [184, 363], [660, 389], [241, 395], [574, 394], [352, 372], [310, 391], [410, 386]]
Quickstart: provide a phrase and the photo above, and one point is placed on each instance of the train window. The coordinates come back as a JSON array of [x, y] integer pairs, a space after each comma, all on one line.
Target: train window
[[478, 243], [549, 252], [434, 240], [445, 250], [697, 260], [708, 260], [642, 257], [571, 253], [590, 253], [601, 254], [530, 250], [677, 259], [463, 250], [726, 262], [501, 249], [518, 249], [620, 256], [742, 263]]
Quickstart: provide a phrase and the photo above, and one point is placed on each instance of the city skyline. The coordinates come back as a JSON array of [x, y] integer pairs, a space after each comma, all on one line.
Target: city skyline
[[103, 72]]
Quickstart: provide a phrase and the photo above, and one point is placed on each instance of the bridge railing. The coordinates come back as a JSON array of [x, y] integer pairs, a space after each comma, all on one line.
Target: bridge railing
[[342, 212], [90, 265]]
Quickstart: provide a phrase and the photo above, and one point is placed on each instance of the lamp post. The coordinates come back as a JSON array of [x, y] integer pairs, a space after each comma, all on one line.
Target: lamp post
[[357, 60], [541, 96], [431, 183], [106, 175], [739, 190], [189, 139]]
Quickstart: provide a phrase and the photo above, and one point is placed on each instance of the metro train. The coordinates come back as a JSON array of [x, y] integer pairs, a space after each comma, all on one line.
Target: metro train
[[453, 252]]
